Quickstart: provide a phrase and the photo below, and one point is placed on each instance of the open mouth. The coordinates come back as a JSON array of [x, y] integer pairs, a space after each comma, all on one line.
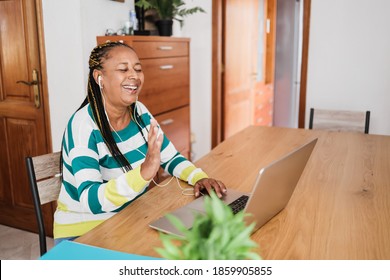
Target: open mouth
[[131, 88]]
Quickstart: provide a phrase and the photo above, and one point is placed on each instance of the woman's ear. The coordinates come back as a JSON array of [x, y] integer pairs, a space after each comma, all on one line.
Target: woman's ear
[[97, 75]]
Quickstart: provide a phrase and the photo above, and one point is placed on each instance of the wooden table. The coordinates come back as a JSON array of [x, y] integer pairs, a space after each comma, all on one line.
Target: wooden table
[[339, 210]]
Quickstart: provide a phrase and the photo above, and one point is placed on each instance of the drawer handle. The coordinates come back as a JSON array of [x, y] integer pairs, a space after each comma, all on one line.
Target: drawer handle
[[165, 48], [166, 67], [166, 122]]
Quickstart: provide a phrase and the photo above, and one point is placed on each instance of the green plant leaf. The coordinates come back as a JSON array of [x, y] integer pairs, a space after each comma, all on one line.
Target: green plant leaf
[[187, 12], [215, 208], [241, 237], [169, 9], [169, 246], [177, 223], [145, 4], [252, 256], [217, 234]]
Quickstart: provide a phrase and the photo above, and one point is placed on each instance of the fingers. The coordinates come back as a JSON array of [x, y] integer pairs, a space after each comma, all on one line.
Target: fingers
[[207, 185], [152, 161], [155, 137], [155, 133]]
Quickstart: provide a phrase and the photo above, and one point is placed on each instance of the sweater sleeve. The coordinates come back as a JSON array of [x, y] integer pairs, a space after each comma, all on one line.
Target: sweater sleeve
[[177, 165], [93, 192], [171, 160]]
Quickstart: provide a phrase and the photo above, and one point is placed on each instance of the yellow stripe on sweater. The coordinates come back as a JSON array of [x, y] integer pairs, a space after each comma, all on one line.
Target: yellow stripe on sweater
[[186, 172], [197, 177], [133, 179], [76, 229]]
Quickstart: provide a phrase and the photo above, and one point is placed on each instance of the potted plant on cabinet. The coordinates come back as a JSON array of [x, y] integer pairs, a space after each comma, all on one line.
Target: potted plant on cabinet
[[217, 235], [167, 11]]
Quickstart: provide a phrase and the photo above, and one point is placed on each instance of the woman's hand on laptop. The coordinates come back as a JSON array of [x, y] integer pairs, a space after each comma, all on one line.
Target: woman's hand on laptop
[[206, 185]]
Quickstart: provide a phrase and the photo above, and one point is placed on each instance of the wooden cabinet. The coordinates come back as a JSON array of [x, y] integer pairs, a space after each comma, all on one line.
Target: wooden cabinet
[[175, 124], [166, 91], [166, 85]]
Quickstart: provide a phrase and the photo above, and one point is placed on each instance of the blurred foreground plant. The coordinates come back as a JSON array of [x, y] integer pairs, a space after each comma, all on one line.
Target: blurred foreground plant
[[217, 235]]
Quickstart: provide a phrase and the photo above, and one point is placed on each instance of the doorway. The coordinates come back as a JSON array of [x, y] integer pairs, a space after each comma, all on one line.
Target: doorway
[[24, 110], [240, 87]]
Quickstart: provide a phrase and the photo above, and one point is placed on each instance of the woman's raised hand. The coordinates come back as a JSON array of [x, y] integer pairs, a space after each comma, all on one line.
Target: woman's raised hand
[[151, 164]]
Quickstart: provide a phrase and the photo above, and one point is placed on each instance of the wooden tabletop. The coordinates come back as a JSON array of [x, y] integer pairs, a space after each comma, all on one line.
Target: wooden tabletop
[[340, 208]]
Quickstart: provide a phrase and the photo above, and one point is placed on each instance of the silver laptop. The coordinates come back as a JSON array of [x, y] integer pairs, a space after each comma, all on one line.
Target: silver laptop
[[271, 192]]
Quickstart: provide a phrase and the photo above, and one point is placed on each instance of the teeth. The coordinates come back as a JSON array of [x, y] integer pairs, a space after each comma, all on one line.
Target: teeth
[[131, 87]]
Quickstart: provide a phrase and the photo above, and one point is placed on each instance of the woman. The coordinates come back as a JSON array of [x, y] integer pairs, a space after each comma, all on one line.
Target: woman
[[112, 147]]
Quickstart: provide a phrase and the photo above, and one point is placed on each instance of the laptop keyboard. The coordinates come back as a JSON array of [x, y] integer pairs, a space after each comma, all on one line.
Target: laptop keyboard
[[239, 204]]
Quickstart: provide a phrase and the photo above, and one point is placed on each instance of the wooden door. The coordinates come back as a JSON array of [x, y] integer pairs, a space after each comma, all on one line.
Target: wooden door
[[23, 110], [239, 35], [223, 21], [263, 92], [248, 80]]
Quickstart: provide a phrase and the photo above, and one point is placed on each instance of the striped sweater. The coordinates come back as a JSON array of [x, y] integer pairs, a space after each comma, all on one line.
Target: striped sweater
[[94, 187]]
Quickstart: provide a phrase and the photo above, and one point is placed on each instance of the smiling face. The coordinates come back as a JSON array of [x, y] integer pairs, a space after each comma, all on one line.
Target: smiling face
[[121, 77]]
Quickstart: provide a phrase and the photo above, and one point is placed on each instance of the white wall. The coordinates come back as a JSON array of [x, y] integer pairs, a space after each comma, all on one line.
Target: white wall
[[71, 27], [65, 62], [97, 17], [198, 28], [349, 58]]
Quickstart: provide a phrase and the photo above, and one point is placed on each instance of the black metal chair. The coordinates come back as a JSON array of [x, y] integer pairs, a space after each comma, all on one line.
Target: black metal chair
[[45, 183]]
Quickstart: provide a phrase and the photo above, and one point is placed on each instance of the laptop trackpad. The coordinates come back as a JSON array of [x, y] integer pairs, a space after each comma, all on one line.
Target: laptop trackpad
[[187, 216]]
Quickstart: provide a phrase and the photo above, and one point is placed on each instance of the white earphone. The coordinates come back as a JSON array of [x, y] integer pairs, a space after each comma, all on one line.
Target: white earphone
[[100, 81]]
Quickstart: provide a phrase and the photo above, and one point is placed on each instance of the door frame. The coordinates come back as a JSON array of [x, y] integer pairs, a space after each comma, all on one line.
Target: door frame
[[218, 18], [44, 91], [44, 85]]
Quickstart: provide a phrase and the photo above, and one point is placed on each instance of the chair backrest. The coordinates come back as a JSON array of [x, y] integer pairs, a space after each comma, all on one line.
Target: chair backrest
[[358, 121], [45, 184]]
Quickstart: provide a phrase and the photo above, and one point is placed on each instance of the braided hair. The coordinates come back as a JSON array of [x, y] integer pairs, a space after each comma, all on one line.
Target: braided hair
[[94, 98]]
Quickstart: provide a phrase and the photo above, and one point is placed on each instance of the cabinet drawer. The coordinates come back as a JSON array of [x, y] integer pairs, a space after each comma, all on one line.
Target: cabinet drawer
[[166, 84], [152, 46], [160, 49], [176, 126]]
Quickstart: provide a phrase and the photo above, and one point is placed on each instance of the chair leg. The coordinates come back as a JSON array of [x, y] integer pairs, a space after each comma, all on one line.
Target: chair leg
[[367, 125], [42, 244], [311, 118], [37, 203]]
